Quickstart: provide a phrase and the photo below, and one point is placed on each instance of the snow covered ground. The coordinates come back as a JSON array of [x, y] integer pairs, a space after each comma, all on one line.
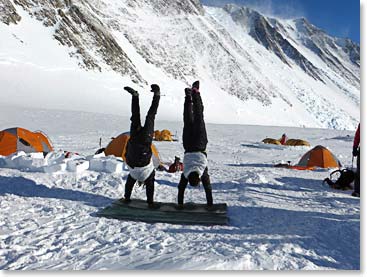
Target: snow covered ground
[[280, 219]]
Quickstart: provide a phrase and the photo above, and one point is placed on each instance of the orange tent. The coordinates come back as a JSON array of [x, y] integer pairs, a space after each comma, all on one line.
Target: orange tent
[[319, 156], [19, 139], [117, 147]]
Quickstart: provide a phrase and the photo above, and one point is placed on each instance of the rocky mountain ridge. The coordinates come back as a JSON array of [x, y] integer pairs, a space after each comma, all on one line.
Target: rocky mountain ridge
[[183, 40]]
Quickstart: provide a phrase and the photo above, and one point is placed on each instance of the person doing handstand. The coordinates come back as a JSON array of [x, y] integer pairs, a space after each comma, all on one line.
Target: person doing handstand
[[138, 149], [195, 163]]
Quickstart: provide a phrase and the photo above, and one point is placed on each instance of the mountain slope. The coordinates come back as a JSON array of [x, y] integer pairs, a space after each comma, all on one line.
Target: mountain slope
[[254, 69]]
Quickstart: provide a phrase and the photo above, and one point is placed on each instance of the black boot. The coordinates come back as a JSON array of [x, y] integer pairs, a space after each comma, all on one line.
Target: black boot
[[133, 92], [155, 89], [196, 85]]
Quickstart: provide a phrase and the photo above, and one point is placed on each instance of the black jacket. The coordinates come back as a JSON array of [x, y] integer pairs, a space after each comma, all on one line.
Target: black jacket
[[139, 151]]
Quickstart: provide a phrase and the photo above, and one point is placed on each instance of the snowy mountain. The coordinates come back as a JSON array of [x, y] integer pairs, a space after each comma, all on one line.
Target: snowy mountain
[[77, 55]]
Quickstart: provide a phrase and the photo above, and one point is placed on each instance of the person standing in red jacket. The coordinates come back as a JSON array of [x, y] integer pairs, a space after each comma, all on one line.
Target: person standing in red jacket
[[356, 153], [284, 139]]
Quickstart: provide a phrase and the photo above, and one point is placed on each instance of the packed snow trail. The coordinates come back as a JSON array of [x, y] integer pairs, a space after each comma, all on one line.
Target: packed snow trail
[[279, 218]]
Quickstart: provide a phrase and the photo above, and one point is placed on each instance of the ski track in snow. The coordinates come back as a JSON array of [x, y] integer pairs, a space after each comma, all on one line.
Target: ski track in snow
[[279, 218]]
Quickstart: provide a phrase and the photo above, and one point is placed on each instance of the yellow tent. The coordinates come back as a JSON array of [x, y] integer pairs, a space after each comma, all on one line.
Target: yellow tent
[[164, 135], [297, 142], [271, 141]]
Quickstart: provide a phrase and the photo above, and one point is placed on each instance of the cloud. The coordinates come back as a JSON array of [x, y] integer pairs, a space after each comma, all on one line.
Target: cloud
[[277, 8]]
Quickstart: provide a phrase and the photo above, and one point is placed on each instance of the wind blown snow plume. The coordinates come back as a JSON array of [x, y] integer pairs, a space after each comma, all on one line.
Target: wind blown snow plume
[[254, 69]]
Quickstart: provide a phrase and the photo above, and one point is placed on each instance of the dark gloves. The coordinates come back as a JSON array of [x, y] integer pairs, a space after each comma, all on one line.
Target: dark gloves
[[355, 151], [133, 92], [155, 89]]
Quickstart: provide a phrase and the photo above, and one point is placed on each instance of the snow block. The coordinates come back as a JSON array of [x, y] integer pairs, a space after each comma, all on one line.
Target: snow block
[[12, 160], [54, 168], [96, 165], [37, 155], [113, 166], [29, 163], [77, 165], [55, 157]]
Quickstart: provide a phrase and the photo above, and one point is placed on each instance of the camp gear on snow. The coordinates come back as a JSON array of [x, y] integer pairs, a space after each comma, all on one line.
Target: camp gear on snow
[[340, 179], [288, 142], [99, 151], [17, 139], [176, 166], [194, 162], [190, 213], [117, 147]]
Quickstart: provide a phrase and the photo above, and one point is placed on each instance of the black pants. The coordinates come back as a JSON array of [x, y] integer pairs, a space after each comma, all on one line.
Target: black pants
[[136, 128], [205, 179], [149, 186], [138, 151], [357, 176], [194, 132]]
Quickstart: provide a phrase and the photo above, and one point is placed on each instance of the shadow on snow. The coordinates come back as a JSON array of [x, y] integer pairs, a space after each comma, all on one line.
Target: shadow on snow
[[328, 239], [23, 187]]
